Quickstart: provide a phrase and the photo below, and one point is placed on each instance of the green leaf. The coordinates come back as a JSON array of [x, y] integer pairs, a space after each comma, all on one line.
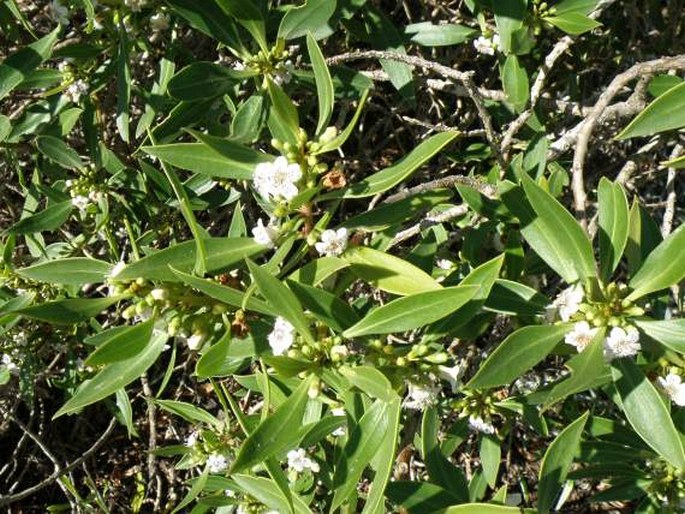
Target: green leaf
[[284, 112], [581, 6], [268, 493], [388, 178], [57, 150], [224, 160], [662, 268], [249, 15], [248, 120], [643, 236], [490, 454], [375, 500], [318, 270], [209, 18], [573, 23], [222, 253], [224, 294], [515, 82], [51, 218], [371, 381], [189, 412], [420, 497], [18, 65], [122, 345], [665, 113], [326, 306], [5, 127], [387, 272], [508, 297], [647, 412], [363, 443], [123, 79], [440, 469], [281, 299], [429, 34], [509, 16], [670, 333], [486, 508], [413, 311], [205, 80], [338, 141], [276, 433], [556, 236], [614, 218], [518, 353], [324, 83], [311, 17], [194, 492], [677, 164], [114, 377], [68, 312], [557, 461], [69, 271], [225, 357], [587, 368]]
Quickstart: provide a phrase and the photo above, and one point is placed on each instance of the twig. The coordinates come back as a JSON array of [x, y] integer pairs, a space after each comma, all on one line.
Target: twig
[[6, 500], [429, 221], [465, 78], [669, 211], [484, 188], [640, 70], [152, 441]]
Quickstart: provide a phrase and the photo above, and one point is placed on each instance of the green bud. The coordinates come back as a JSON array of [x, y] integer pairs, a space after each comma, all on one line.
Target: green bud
[[302, 136], [291, 156], [401, 362], [277, 144], [312, 160], [437, 358], [219, 308], [328, 135], [420, 349]]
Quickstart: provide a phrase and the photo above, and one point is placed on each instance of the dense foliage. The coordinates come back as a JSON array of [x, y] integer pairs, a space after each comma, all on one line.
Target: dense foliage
[[342, 256]]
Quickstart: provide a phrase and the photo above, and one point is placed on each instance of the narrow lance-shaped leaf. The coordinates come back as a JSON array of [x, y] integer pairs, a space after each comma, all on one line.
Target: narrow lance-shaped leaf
[[115, 376], [122, 345], [614, 219], [646, 411], [57, 150], [285, 112], [69, 271], [556, 462], [281, 299], [324, 83], [68, 312], [388, 178], [412, 311], [486, 508], [670, 333], [662, 268], [665, 113], [518, 353], [311, 17], [276, 433], [51, 218]]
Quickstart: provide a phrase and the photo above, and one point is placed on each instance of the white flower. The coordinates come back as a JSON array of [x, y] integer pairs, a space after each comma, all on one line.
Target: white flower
[[58, 13], [484, 45], [217, 463], [332, 242], [134, 5], [160, 294], [195, 341], [444, 264], [451, 375], [74, 90], [478, 424], [95, 196], [8, 362], [674, 388], [568, 302], [159, 22], [80, 201], [239, 66], [191, 440], [621, 343], [283, 73], [277, 179], [420, 397], [282, 336], [580, 336], [298, 461], [265, 235]]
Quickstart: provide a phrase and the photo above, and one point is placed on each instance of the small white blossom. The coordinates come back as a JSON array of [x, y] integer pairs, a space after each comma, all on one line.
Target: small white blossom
[[283, 73], [58, 13], [281, 337], [674, 388], [621, 343], [217, 463], [479, 425], [195, 341], [80, 201], [160, 294], [159, 22], [74, 90], [8, 362], [568, 302], [332, 242], [134, 5], [486, 46], [95, 196], [580, 336], [239, 66], [265, 235], [339, 351], [444, 264], [420, 396], [451, 375], [277, 179], [298, 461], [20, 338], [191, 440]]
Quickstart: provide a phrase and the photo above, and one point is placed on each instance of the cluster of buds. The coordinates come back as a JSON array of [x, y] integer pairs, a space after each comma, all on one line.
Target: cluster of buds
[[304, 152], [212, 449], [479, 406], [84, 192], [421, 357], [667, 481], [275, 64], [611, 308]]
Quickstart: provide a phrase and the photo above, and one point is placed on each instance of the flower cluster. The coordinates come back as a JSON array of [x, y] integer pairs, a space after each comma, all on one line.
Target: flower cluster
[[673, 387], [621, 342], [266, 235], [332, 243], [281, 337], [478, 424], [567, 303], [421, 396], [487, 46], [298, 461]]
